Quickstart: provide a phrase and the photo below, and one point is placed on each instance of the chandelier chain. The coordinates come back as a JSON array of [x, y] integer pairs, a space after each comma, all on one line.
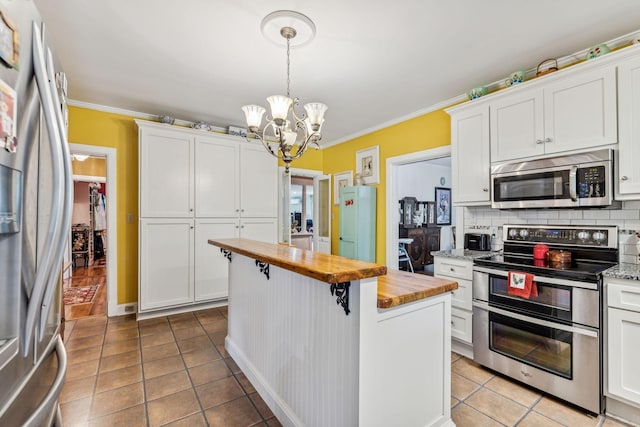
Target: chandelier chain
[[288, 65]]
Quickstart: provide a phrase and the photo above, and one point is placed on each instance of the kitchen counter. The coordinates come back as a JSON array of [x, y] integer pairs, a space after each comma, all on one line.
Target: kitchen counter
[[625, 271], [394, 287], [304, 323], [460, 253]]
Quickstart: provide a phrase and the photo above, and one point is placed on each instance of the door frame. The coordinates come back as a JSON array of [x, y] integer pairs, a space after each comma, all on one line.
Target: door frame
[[393, 214], [283, 195], [112, 242]]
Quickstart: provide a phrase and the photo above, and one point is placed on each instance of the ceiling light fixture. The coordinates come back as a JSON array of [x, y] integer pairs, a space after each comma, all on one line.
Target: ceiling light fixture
[[285, 130]]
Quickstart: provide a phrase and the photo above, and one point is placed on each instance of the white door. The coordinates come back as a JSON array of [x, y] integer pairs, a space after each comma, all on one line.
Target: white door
[[217, 171], [263, 229], [517, 128], [470, 156], [211, 267], [258, 182], [580, 111], [322, 214], [166, 174], [624, 353], [166, 263], [628, 158]]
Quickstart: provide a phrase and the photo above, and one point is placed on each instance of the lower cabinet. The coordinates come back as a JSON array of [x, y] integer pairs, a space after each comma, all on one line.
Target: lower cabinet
[[623, 348], [179, 268], [460, 270]]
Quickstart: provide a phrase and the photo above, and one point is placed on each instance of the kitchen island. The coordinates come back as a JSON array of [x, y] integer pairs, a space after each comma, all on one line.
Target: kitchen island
[[330, 341]]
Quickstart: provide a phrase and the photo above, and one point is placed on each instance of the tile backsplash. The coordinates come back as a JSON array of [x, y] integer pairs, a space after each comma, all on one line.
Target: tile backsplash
[[490, 221]]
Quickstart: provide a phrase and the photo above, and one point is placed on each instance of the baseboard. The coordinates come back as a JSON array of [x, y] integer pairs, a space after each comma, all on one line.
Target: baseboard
[[183, 309], [279, 407], [622, 411], [462, 348], [124, 309]]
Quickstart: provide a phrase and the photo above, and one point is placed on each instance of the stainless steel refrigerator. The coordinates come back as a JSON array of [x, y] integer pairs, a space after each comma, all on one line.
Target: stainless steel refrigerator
[[36, 197]]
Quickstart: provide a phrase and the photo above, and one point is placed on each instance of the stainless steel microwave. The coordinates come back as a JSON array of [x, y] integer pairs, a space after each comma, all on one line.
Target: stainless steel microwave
[[571, 181]]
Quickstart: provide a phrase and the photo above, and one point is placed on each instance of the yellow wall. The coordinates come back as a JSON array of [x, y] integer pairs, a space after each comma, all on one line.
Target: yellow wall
[[117, 131], [93, 166], [421, 133]]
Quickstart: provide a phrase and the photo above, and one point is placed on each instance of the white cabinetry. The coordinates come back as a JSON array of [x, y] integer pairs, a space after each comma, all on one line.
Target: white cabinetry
[[574, 112], [195, 186], [470, 155], [460, 270], [628, 159], [623, 345]]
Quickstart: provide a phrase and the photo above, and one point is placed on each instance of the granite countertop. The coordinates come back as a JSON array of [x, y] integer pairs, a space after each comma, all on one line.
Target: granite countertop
[[460, 253], [625, 271]]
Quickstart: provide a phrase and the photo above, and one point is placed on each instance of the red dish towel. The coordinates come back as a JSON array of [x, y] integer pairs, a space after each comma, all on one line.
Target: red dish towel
[[521, 285]]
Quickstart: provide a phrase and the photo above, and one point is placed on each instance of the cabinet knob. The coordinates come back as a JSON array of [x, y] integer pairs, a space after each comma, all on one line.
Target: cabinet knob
[[191, 210], [547, 140], [452, 269], [486, 190], [539, 141], [241, 210], [340, 238], [624, 178], [237, 210], [191, 227], [237, 226], [242, 226]]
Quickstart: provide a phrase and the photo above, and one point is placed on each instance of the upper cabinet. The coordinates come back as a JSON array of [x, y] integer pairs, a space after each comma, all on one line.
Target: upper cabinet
[[628, 159], [575, 112], [186, 173], [470, 156]]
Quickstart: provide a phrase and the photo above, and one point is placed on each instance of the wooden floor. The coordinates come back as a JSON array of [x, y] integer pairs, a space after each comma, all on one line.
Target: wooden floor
[[93, 274]]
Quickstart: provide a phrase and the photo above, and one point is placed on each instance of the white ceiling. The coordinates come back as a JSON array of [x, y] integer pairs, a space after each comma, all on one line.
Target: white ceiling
[[372, 62]]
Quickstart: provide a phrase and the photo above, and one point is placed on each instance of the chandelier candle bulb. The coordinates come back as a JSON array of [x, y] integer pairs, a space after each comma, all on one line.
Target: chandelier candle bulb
[[315, 113], [280, 106]]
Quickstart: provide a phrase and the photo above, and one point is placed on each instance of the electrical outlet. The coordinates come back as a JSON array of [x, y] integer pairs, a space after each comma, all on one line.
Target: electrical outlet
[[129, 308]]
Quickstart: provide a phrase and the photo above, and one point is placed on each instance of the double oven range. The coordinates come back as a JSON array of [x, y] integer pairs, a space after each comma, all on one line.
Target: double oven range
[[552, 341]]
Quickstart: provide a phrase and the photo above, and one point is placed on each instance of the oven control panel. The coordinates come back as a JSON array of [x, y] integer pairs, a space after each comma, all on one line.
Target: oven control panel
[[603, 236]]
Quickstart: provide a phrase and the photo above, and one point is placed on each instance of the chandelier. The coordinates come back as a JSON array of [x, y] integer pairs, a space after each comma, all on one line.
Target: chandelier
[[285, 134]]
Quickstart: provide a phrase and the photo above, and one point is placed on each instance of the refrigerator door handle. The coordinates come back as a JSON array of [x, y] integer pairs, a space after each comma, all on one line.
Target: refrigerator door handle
[[46, 407], [37, 294], [67, 208]]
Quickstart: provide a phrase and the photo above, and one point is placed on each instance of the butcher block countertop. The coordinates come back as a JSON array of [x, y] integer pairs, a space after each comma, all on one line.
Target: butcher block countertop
[[401, 287], [394, 287]]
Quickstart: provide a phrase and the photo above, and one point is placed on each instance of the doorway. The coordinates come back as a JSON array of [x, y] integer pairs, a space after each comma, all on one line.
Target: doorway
[[416, 175], [90, 287], [85, 291], [296, 208]]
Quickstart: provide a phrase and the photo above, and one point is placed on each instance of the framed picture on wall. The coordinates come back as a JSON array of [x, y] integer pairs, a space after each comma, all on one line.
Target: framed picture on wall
[[443, 206], [342, 179], [368, 165]]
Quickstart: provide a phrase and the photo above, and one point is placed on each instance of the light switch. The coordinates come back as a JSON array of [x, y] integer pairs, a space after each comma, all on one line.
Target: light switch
[[130, 218]]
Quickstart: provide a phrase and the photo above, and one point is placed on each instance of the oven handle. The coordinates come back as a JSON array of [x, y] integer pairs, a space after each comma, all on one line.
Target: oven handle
[[550, 280], [484, 306]]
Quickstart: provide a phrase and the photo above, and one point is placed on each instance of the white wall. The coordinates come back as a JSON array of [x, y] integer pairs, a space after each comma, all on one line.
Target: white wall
[[487, 220], [419, 180]]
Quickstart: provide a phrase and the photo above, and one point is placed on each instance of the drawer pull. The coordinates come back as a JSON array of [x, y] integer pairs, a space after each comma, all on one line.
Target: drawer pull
[[624, 178], [452, 269]]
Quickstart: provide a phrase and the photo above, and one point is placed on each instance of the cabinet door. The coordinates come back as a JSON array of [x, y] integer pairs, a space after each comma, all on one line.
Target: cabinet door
[[258, 182], [263, 229], [517, 128], [580, 111], [166, 263], [348, 223], [217, 171], [623, 353], [166, 174], [628, 158], [211, 267], [432, 243], [470, 160]]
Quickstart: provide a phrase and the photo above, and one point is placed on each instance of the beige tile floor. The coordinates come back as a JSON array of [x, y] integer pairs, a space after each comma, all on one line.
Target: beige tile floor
[[174, 371]]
